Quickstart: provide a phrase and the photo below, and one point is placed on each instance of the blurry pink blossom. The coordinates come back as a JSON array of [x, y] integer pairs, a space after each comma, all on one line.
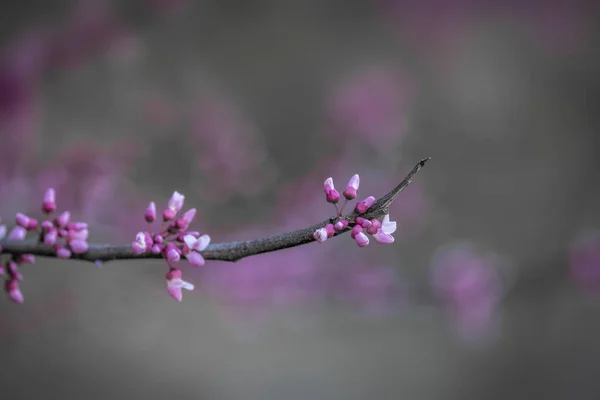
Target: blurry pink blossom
[[584, 263], [469, 284], [90, 181], [376, 289], [13, 291], [231, 153], [92, 28], [370, 107]]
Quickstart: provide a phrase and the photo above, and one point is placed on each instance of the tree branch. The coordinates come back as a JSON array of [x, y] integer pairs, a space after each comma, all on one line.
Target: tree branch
[[231, 251]]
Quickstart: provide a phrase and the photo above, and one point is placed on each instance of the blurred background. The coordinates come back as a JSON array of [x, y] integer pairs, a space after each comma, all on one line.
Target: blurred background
[[492, 288]]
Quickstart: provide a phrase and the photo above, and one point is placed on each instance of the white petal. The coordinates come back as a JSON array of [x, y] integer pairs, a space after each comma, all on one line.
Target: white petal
[[202, 243], [177, 283], [388, 226], [383, 238], [187, 286], [190, 241], [140, 238]]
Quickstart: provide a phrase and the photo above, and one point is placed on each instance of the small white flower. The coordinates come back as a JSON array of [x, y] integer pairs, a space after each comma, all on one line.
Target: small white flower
[[320, 235], [384, 234]]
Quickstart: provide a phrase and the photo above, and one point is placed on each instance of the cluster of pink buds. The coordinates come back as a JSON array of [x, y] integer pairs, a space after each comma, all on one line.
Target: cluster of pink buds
[[380, 230], [50, 232], [173, 241]]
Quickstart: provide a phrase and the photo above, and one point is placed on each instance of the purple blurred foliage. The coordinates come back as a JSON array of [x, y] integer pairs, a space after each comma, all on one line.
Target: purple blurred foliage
[[584, 263], [92, 29], [470, 286], [85, 175], [378, 290], [169, 5], [430, 24], [158, 110], [370, 107], [230, 152], [88, 180], [561, 26], [19, 75], [57, 304]]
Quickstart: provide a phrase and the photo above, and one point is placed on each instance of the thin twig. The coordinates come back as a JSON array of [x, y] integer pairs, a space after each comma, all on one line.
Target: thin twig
[[230, 251]]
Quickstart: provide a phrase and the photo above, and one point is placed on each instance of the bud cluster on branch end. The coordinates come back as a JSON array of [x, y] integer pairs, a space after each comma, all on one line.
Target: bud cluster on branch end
[[63, 236], [381, 230]]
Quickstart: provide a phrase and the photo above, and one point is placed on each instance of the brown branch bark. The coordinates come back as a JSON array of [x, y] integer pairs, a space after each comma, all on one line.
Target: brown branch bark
[[230, 251]]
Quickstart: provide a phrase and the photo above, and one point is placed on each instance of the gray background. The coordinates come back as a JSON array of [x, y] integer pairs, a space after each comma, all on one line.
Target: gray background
[[512, 129]]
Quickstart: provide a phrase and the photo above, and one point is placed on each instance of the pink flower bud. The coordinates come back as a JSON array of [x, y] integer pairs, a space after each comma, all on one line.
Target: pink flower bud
[[355, 231], [78, 235], [50, 237], [184, 221], [363, 206], [158, 239], [22, 220], [26, 259], [13, 291], [150, 214], [174, 273], [331, 194], [375, 225], [78, 246], [17, 233], [350, 192], [62, 220], [61, 251], [195, 259], [77, 226], [341, 225], [157, 248], [361, 239], [328, 185], [47, 225], [13, 271], [173, 206], [320, 235], [32, 225], [168, 215], [365, 223], [49, 204], [330, 230], [139, 244], [171, 253]]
